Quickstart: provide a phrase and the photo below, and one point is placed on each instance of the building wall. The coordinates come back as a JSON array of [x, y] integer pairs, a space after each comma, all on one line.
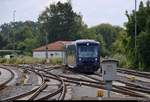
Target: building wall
[[51, 54]]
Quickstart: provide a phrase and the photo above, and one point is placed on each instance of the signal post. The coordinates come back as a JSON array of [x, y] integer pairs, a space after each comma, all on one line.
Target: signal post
[[109, 67]]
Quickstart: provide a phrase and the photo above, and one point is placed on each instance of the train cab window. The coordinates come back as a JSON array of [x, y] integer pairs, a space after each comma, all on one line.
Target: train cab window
[[71, 54], [88, 51]]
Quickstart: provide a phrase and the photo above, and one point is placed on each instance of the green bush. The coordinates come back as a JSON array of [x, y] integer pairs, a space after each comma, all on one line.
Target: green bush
[[123, 61]]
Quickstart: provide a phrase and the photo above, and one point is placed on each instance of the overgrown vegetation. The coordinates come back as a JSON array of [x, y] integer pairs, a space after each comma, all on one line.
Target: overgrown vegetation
[[23, 60], [30, 60], [125, 44]]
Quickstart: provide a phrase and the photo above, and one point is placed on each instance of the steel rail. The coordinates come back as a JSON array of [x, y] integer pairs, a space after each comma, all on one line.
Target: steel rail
[[100, 85], [37, 92], [131, 86], [127, 83], [102, 82], [26, 93], [61, 89], [95, 84], [134, 94], [144, 90], [136, 87], [3, 85], [140, 74]]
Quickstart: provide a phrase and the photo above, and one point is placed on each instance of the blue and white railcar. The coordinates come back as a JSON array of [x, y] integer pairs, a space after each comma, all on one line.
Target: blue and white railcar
[[83, 55]]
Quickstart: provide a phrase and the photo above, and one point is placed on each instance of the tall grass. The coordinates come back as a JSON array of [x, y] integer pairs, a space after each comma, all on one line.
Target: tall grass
[[123, 61], [56, 61], [29, 60]]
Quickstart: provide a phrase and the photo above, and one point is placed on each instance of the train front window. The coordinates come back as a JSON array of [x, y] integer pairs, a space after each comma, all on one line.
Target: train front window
[[88, 51]]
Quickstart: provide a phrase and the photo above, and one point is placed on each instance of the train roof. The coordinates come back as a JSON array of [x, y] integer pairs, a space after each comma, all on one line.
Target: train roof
[[86, 40], [83, 41]]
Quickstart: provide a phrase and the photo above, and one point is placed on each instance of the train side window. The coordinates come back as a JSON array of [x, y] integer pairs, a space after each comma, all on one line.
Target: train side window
[[71, 50]]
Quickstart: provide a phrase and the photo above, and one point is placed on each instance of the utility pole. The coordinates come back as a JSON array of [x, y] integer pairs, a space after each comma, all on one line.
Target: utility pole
[[46, 46], [136, 55], [14, 15], [135, 25], [13, 29], [70, 2], [46, 52]]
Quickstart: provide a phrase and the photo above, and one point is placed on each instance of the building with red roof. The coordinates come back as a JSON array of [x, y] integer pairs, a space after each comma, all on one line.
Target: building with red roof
[[55, 49]]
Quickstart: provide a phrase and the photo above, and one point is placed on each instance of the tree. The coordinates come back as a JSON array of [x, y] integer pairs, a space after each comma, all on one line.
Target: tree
[[143, 28], [119, 46], [60, 22], [143, 48], [24, 35], [2, 43], [106, 34]]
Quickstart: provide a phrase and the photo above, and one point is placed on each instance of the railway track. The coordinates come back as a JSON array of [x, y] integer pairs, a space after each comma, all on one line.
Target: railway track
[[134, 85], [129, 89], [129, 83], [46, 91], [58, 93], [100, 84], [24, 94], [133, 72], [129, 86], [4, 83]]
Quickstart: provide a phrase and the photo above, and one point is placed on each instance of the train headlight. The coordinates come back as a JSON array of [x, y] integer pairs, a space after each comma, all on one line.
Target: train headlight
[[95, 59], [80, 59]]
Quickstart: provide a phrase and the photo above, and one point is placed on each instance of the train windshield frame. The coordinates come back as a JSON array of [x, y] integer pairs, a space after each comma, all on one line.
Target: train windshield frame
[[88, 50]]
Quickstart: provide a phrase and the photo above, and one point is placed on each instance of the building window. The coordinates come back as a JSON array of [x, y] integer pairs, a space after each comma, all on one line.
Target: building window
[[51, 54]]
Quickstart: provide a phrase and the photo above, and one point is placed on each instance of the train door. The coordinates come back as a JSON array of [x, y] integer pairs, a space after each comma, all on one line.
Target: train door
[[71, 55]]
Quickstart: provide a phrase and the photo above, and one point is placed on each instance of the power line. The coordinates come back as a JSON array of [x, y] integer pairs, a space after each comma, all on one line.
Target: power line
[[136, 55], [46, 45], [13, 29]]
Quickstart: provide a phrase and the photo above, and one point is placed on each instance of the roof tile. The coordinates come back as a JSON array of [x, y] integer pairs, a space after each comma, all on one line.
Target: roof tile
[[55, 46]]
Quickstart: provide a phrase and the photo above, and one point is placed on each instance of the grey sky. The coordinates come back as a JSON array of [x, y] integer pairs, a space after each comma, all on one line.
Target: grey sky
[[93, 11]]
